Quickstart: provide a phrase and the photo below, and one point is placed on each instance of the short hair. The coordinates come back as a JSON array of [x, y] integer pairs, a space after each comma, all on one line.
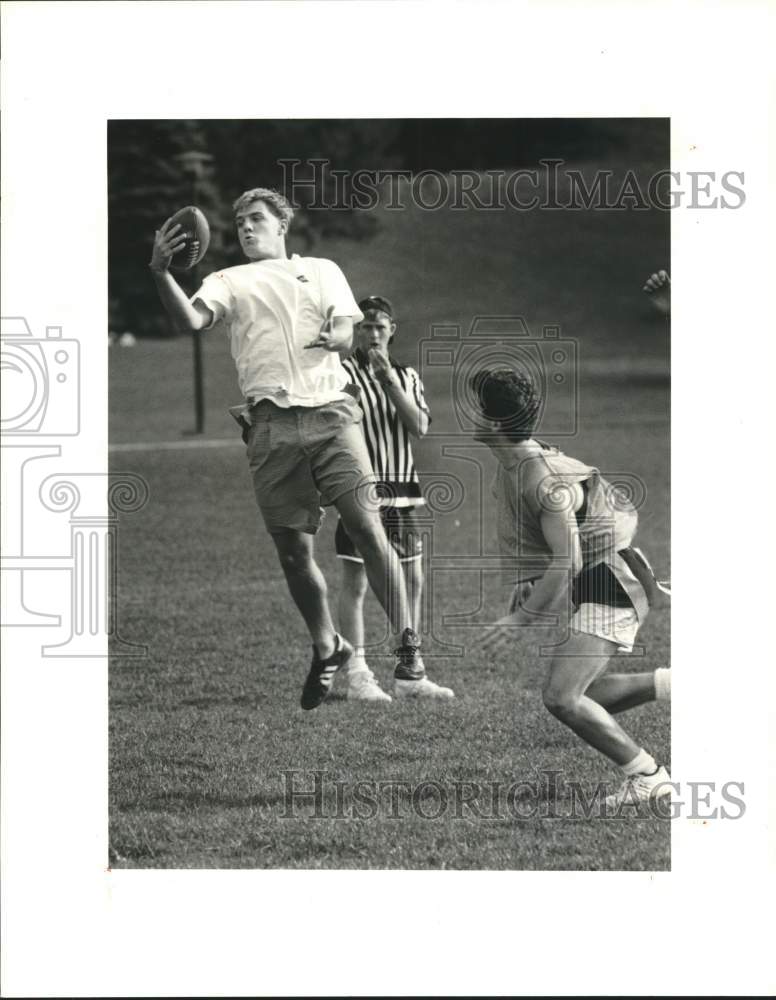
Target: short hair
[[509, 397], [275, 202]]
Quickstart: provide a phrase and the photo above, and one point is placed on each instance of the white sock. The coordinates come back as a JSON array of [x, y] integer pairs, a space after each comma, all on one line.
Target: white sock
[[357, 661], [642, 763], [663, 684]]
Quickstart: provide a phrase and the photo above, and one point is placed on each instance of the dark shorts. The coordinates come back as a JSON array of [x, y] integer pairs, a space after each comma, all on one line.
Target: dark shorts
[[598, 585], [302, 458], [401, 527], [611, 599]]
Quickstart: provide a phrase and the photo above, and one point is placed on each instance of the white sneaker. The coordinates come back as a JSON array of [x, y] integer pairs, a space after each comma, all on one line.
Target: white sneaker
[[421, 688], [363, 686], [641, 788]]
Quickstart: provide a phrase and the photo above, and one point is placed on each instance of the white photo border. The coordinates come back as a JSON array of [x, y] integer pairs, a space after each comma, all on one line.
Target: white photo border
[[70, 926]]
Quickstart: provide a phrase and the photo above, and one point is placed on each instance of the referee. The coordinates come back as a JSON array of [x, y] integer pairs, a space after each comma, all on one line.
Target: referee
[[395, 410]]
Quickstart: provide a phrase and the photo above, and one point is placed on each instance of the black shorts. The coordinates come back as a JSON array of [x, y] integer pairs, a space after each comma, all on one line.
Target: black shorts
[[598, 585], [401, 527]]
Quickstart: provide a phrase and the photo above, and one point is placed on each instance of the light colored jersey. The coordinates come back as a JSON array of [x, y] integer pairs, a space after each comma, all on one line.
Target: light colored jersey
[[387, 438], [607, 522], [272, 309]]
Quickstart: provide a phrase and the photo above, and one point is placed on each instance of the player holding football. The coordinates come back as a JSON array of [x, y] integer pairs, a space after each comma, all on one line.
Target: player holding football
[[395, 410], [288, 319], [566, 536]]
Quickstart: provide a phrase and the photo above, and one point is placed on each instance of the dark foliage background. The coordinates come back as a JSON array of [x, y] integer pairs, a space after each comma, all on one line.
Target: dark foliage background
[[147, 181]]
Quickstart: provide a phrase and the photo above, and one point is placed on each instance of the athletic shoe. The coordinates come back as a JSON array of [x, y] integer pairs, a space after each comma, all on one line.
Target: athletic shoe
[[421, 688], [409, 665], [641, 788], [363, 686], [318, 684]]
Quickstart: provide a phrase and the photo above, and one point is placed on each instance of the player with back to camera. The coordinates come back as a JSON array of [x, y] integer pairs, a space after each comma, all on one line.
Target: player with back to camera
[[289, 319], [395, 410], [565, 536]]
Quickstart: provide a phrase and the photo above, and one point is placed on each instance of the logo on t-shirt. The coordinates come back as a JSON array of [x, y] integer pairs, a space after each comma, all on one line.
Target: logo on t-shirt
[[302, 277]]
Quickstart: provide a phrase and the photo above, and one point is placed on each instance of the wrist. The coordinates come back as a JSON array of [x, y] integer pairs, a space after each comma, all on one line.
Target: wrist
[[155, 269], [387, 378]]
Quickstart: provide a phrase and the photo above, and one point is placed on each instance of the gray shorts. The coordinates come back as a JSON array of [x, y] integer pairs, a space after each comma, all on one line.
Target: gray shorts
[[304, 457]]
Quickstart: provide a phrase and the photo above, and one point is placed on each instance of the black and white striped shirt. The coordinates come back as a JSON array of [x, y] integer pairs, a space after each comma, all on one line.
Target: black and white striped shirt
[[387, 439]]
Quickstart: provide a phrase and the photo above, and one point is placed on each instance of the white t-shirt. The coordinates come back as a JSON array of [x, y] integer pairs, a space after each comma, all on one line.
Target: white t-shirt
[[272, 309]]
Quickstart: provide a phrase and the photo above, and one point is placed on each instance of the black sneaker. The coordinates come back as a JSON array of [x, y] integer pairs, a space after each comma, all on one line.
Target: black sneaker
[[318, 684], [409, 665]]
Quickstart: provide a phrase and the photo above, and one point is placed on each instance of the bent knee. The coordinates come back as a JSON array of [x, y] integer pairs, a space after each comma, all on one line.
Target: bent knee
[[368, 536], [294, 556], [562, 704], [296, 562]]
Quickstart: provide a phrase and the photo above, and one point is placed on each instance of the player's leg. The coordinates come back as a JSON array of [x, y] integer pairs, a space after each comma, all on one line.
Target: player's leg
[[401, 527], [345, 478], [381, 563], [361, 682], [307, 587], [570, 676], [618, 692], [288, 499], [617, 620], [383, 570], [351, 603], [413, 581], [402, 531]]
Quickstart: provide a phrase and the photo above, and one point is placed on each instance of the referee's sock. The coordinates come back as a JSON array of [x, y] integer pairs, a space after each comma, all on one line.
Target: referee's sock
[[358, 661]]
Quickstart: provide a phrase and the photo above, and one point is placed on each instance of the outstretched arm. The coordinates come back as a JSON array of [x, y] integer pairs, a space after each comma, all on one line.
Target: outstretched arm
[[549, 599], [184, 315], [551, 594]]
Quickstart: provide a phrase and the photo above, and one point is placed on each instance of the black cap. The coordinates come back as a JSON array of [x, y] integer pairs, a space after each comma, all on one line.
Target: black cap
[[374, 303]]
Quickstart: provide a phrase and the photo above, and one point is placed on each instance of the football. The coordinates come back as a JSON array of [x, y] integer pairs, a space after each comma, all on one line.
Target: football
[[196, 230]]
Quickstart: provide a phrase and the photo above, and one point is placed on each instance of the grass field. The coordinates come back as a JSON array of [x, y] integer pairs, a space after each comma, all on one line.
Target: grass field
[[203, 728]]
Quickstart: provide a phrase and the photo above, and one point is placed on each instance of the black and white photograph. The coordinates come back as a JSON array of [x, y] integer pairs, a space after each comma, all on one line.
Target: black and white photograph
[[383, 388], [442, 349]]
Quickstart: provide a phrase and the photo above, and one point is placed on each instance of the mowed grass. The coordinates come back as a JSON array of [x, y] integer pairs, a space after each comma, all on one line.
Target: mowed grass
[[203, 728]]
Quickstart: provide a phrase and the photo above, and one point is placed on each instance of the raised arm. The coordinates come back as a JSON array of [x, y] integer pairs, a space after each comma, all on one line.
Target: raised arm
[[411, 414], [184, 315]]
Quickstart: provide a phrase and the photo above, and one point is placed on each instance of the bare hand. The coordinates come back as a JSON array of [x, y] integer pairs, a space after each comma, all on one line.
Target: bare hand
[[380, 362], [498, 640], [325, 338], [167, 242], [658, 287]]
